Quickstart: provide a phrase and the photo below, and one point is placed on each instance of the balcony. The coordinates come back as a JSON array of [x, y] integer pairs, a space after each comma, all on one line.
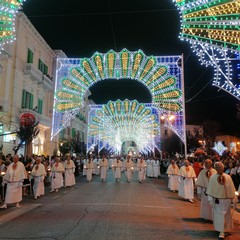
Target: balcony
[[36, 75], [47, 82]]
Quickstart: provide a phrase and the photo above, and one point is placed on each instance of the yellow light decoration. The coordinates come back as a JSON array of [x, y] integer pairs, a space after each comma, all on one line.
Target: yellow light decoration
[[66, 95], [148, 67], [136, 64], [99, 63], [88, 69], [66, 106], [168, 95], [125, 59], [111, 60], [170, 106], [159, 73], [68, 83], [165, 83], [75, 72]]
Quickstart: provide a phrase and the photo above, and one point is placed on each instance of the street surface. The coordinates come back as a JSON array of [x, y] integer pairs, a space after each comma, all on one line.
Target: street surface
[[107, 211]]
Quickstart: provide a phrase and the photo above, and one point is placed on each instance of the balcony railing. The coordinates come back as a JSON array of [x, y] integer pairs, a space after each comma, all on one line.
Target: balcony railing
[[35, 74]]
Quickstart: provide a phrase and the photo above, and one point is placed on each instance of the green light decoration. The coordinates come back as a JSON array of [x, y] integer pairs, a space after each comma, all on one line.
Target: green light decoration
[[112, 124], [8, 10]]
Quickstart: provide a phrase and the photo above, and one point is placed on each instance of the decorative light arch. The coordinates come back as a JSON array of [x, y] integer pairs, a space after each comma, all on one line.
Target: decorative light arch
[[162, 76], [110, 125]]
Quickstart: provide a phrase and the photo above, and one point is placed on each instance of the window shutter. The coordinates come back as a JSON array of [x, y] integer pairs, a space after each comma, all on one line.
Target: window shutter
[[23, 98]]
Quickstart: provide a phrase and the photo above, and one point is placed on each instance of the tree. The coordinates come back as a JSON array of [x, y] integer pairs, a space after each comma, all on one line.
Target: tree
[[26, 134]]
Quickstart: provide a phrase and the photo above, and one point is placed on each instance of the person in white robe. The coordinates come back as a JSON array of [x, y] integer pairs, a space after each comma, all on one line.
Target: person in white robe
[[14, 177], [221, 193], [117, 169], [141, 166], [149, 167], [187, 176], [129, 167], [69, 168], [202, 184], [84, 161], [96, 166], [89, 169], [103, 168], [173, 178], [156, 168], [38, 174], [57, 171]]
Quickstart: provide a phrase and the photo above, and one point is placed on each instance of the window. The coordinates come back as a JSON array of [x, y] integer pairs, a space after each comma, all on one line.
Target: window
[[30, 56], [61, 134], [42, 67], [27, 100], [165, 132], [73, 132], [40, 106]]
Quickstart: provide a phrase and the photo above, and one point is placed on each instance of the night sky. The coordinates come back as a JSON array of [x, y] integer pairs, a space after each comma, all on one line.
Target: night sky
[[82, 27]]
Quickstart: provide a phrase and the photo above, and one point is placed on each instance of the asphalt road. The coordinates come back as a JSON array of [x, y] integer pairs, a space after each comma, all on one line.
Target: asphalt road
[[107, 211]]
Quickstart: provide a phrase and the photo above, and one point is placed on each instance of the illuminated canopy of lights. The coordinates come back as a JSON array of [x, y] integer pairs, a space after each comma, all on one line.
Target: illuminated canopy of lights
[[219, 148], [8, 10], [110, 125], [212, 28], [162, 76]]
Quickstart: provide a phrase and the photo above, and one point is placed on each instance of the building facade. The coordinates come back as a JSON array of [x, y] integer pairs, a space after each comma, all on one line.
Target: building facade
[[27, 79]]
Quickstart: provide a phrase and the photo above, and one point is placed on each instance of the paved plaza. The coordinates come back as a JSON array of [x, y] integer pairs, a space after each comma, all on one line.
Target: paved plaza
[[110, 210]]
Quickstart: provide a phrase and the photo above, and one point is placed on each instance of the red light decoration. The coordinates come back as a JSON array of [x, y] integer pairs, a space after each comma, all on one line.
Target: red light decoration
[[27, 119]]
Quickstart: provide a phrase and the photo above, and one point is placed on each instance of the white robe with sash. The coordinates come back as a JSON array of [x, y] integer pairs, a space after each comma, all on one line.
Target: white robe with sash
[[186, 187], [221, 192], [14, 177]]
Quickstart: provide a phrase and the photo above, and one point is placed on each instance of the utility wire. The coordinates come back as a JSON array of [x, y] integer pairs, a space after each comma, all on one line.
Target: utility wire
[[112, 28], [210, 98], [189, 100]]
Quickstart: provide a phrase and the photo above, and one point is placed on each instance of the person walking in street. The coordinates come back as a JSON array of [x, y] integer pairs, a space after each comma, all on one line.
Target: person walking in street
[[69, 168], [156, 168], [57, 171], [14, 177], [89, 169], [173, 178], [129, 167], [38, 174], [117, 169], [103, 168], [186, 176], [141, 166], [202, 184], [221, 193]]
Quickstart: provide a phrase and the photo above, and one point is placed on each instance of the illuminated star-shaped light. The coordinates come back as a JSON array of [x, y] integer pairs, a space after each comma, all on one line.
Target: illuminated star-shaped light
[[219, 148]]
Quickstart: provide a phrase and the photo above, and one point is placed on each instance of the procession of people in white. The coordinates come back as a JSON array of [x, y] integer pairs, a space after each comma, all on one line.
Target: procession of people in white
[[215, 189]]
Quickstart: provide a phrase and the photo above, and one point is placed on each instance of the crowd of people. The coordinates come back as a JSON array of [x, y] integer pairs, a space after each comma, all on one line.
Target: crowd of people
[[216, 181]]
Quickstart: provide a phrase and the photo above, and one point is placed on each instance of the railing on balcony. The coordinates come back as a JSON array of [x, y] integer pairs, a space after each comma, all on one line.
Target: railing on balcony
[[36, 75]]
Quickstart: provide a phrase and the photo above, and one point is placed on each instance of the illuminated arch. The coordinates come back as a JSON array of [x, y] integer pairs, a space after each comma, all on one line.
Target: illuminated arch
[[162, 76], [111, 124]]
